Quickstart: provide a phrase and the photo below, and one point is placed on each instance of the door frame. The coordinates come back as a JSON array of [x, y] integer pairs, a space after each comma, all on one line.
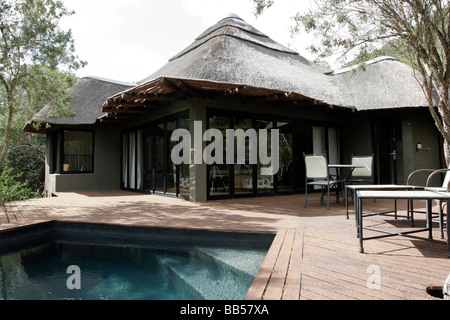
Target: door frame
[[387, 174]]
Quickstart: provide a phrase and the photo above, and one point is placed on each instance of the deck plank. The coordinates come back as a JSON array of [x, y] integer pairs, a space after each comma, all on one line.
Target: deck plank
[[314, 254], [275, 286], [3, 217], [258, 288]]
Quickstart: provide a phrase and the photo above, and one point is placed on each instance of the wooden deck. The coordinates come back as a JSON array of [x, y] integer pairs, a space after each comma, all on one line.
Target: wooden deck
[[314, 255]]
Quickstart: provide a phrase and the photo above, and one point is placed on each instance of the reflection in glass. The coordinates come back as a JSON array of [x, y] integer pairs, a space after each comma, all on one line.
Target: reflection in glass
[[219, 182], [132, 160], [159, 158], [78, 151], [264, 183], [183, 184], [125, 161], [139, 161], [170, 167], [243, 172], [286, 154], [148, 168], [326, 140], [158, 172]]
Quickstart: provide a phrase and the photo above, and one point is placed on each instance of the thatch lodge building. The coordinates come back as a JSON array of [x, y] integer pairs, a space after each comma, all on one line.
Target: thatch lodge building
[[233, 76]]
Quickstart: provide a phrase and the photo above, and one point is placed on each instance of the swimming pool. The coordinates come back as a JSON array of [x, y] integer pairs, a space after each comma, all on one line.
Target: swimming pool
[[127, 263]]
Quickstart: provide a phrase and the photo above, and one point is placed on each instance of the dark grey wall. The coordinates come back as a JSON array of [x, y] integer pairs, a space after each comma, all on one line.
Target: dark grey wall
[[106, 175]]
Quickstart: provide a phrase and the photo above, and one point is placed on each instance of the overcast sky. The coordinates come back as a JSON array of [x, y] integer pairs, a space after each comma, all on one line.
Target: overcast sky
[[128, 40]]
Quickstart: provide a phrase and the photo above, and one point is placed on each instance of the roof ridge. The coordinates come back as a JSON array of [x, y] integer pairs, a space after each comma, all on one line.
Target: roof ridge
[[228, 23], [228, 26], [103, 79], [366, 63]]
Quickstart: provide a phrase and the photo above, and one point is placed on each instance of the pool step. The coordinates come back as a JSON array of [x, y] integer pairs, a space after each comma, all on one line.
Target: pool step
[[204, 273], [248, 261], [184, 290]]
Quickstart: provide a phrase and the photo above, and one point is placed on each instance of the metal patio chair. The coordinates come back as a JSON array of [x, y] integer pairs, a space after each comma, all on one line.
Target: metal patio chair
[[362, 175], [317, 174], [431, 173]]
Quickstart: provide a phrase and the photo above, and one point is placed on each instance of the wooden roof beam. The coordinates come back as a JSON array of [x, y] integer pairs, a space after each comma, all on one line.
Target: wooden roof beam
[[186, 88], [119, 116], [237, 90], [132, 103], [144, 96], [111, 103], [109, 120], [286, 96], [127, 110]]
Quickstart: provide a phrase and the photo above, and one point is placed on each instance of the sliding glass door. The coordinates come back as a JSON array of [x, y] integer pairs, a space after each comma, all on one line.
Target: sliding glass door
[[146, 158], [242, 177], [247, 179], [220, 173]]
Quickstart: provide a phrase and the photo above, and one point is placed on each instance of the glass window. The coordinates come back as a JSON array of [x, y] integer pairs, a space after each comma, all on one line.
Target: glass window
[[265, 183], [286, 172], [150, 158], [183, 183], [125, 161], [159, 164], [78, 153], [326, 140], [55, 152], [319, 140], [132, 160], [243, 172], [171, 171], [219, 173]]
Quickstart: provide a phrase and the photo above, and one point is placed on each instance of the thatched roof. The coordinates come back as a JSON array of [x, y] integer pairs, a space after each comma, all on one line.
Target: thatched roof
[[233, 52], [88, 95], [233, 58], [385, 83]]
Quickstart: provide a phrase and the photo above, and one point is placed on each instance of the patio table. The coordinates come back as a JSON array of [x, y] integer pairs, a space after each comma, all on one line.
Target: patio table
[[428, 196], [379, 187], [339, 167], [341, 177]]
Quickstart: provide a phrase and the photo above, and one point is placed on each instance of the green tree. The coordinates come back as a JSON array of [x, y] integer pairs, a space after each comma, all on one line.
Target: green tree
[[12, 187], [417, 30], [26, 154], [32, 48]]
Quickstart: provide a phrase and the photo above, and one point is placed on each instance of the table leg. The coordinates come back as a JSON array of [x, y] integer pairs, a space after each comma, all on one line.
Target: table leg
[[355, 203], [429, 219], [346, 200], [360, 226], [395, 208], [448, 232]]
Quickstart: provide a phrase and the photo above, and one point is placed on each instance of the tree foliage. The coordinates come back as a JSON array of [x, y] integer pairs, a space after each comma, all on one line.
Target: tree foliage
[[33, 50], [32, 45], [417, 30], [13, 187]]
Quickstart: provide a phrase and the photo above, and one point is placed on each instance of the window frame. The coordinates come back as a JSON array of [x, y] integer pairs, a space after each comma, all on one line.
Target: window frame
[[61, 154]]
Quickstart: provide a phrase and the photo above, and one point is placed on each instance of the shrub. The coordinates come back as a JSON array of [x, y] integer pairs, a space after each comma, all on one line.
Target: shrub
[[12, 189]]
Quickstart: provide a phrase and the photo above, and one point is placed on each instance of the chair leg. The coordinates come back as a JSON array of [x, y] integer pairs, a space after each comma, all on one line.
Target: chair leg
[[321, 196], [328, 197], [306, 193]]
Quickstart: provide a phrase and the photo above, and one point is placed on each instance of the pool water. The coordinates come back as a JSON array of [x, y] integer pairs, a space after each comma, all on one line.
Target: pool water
[[137, 270]]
